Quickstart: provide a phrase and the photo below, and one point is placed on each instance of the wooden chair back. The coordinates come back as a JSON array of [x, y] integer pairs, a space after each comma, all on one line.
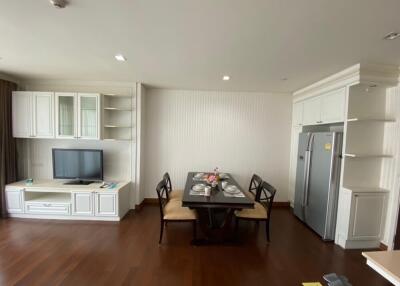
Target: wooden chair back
[[168, 183], [255, 184], [266, 195], [162, 193]]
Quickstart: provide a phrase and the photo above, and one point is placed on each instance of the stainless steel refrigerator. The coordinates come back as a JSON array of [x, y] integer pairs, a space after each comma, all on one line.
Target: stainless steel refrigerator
[[317, 181]]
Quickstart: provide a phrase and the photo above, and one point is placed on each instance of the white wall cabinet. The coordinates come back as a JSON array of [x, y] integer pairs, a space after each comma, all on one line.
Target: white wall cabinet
[[298, 114], [323, 109], [312, 111], [333, 106], [21, 114], [106, 204], [88, 118], [43, 114], [15, 201], [78, 115], [65, 115], [82, 204], [33, 115]]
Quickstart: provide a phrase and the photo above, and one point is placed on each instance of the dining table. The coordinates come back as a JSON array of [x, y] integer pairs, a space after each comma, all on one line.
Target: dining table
[[216, 211]]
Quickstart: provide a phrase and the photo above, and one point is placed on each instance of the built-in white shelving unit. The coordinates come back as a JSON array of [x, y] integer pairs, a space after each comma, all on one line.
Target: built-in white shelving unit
[[365, 128], [361, 99]]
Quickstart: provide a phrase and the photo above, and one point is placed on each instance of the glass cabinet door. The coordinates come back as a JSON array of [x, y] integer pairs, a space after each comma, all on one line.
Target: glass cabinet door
[[65, 108], [88, 117]]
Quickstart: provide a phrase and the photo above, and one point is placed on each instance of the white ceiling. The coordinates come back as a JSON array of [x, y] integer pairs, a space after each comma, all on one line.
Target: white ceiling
[[191, 44]]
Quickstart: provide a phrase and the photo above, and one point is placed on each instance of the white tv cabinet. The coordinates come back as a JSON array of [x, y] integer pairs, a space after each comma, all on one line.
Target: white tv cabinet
[[51, 199]]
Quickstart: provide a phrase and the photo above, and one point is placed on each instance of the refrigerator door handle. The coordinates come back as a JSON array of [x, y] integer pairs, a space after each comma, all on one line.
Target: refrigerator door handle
[[306, 177]]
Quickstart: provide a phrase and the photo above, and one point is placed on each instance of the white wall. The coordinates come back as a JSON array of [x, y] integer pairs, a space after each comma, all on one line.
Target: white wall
[[35, 157], [241, 133]]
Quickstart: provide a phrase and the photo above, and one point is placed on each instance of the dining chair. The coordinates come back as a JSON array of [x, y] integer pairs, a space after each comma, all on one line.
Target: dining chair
[[262, 207], [172, 194], [172, 210], [255, 182]]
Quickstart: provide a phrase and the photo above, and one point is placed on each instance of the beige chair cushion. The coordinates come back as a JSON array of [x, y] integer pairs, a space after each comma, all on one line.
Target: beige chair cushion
[[176, 195], [173, 210], [259, 212]]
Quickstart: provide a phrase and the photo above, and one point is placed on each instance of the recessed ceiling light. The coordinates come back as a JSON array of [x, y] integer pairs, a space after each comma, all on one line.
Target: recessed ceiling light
[[226, 77], [120, 58], [391, 36]]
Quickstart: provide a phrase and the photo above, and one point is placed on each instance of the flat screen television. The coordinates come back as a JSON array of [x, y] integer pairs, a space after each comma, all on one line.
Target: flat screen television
[[82, 165]]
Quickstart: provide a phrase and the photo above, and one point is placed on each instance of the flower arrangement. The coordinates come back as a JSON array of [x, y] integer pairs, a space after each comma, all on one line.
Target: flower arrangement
[[213, 178]]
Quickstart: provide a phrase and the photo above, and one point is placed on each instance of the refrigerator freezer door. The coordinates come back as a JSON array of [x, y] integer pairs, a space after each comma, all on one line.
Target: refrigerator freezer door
[[301, 174], [319, 197]]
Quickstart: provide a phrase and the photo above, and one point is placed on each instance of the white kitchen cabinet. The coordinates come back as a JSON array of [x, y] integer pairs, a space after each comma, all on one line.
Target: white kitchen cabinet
[[367, 216], [78, 115], [82, 203], [333, 106], [298, 114], [43, 114], [15, 200], [312, 111], [106, 204], [21, 114]]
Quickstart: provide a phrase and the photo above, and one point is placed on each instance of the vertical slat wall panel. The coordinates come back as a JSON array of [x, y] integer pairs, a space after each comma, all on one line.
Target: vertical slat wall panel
[[241, 133], [390, 176]]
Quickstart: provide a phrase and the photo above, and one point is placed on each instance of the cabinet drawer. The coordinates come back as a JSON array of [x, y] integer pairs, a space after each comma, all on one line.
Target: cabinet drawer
[[48, 208]]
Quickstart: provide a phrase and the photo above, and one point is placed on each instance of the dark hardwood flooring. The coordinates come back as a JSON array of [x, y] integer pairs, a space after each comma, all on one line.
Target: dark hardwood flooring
[[37, 252]]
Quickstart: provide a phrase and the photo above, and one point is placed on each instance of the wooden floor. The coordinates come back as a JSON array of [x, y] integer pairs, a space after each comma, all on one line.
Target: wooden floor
[[35, 252]]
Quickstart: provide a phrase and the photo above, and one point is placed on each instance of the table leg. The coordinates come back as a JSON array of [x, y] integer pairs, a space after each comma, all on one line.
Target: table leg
[[214, 231]]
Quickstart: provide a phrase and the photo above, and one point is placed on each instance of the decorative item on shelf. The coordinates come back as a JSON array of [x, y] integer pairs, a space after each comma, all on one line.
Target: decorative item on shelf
[[29, 182]]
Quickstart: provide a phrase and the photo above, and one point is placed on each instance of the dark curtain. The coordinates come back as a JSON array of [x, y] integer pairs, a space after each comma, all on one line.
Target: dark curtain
[[8, 152]]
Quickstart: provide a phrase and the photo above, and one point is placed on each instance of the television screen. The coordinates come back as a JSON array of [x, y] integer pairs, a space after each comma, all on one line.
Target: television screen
[[78, 164]]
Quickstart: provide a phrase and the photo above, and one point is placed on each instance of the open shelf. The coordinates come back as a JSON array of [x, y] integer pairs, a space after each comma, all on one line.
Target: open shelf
[[48, 197], [366, 119], [116, 139], [358, 189], [116, 95], [355, 155], [118, 117], [117, 109], [117, 126]]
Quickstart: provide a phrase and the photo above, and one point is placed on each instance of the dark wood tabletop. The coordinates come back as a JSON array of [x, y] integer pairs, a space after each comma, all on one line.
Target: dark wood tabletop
[[216, 199]]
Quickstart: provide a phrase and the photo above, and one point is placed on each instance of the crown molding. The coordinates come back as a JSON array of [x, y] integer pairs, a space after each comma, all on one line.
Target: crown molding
[[383, 75]]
